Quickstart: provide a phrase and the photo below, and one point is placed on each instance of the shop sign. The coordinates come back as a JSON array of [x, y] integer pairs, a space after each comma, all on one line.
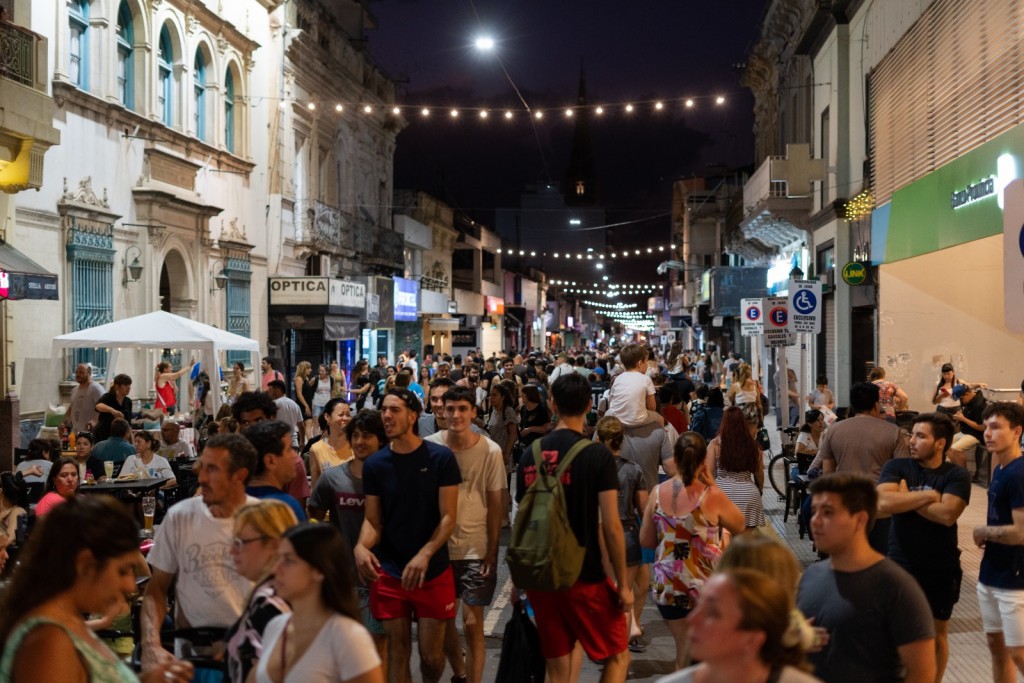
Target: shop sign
[[347, 294], [855, 273], [372, 308], [298, 291], [495, 305], [453, 306], [406, 299], [972, 193]]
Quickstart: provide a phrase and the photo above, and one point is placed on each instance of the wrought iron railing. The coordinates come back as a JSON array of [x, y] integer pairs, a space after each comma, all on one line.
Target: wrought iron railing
[[17, 54]]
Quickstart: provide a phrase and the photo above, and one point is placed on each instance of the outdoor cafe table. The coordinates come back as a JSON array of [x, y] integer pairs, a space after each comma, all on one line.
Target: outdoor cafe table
[[130, 488]]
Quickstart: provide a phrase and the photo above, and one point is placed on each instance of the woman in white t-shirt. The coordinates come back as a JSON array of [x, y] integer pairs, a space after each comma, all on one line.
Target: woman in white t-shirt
[[145, 459], [323, 640], [810, 433]]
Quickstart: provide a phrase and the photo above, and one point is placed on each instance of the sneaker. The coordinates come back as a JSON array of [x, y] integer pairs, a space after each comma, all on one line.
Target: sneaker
[[636, 646]]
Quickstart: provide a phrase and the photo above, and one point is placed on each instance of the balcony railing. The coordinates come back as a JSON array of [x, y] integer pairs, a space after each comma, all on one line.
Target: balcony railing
[[761, 186], [18, 54], [327, 229], [378, 246]]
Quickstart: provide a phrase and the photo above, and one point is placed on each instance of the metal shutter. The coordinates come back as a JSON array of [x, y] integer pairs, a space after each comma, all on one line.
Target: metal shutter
[[950, 83]]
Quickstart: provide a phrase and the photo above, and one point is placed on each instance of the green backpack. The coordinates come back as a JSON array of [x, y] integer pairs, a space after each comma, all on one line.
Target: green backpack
[[543, 553]]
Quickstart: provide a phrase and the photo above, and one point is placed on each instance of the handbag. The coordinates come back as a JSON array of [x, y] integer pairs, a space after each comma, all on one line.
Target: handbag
[[521, 660]]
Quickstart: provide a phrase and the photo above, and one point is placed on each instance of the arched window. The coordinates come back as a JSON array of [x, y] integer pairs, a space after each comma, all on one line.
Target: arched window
[[165, 92], [125, 56], [229, 112], [199, 99], [78, 45]]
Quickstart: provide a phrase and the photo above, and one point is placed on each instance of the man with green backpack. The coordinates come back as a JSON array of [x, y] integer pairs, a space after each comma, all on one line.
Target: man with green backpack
[[567, 488]]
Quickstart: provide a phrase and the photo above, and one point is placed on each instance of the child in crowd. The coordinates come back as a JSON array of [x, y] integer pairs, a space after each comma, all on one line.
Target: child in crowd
[[632, 501], [631, 397]]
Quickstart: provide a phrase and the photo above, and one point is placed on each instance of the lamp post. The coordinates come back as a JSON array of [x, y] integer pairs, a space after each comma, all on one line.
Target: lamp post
[[220, 280]]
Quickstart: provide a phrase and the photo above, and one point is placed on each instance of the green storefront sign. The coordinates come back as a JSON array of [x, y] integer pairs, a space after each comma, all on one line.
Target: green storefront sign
[[855, 273], [955, 204]]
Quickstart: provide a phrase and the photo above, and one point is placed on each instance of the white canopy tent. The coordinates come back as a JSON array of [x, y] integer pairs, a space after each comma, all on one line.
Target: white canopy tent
[[160, 330]]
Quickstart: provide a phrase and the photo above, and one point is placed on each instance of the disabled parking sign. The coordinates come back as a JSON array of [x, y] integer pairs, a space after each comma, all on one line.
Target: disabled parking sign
[[804, 307]]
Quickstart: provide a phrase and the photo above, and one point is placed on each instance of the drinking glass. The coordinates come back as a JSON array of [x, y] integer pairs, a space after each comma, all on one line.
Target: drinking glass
[[148, 512], [108, 468]]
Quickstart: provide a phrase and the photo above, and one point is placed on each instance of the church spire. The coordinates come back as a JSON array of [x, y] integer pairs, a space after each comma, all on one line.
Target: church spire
[[580, 186]]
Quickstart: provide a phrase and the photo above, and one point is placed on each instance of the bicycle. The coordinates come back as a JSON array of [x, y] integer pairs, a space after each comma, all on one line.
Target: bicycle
[[780, 464]]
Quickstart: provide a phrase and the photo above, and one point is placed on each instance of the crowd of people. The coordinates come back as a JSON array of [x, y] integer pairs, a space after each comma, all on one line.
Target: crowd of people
[[657, 465]]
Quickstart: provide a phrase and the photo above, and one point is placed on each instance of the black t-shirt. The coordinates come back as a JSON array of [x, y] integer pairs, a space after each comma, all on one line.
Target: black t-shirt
[[915, 543], [591, 472], [361, 382], [538, 417], [104, 420], [973, 412], [487, 377], [408, 485]]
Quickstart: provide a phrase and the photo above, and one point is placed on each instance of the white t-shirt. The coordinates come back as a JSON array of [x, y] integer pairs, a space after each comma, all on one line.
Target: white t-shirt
[[627, 399], [176, 450], [807, 440], [342, 650], [159, 463], [483, 469], [196, 546], [788, 675]]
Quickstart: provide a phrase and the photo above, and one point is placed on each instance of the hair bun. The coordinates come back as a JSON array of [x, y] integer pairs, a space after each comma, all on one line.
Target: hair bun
[[799, 633]]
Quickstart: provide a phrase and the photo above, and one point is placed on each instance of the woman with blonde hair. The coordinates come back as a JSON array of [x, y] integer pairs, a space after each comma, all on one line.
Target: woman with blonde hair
[[745, 389], [258, 530], [741, 632], [305, 387]]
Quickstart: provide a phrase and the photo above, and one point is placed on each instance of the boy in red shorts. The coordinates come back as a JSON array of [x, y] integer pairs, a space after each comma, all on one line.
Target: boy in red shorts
[[592, 611], [411, 490]]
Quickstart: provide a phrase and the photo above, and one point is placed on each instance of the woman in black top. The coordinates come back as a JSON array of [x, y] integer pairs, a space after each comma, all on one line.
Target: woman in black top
[[534, 416]]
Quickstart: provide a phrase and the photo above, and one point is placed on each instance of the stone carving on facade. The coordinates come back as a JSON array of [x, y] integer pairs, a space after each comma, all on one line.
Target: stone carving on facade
[[222, 43], [84, 194], [192, 24], [233, 232]]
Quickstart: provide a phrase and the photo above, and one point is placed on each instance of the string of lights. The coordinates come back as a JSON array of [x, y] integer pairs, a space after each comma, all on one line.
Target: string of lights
[[619, 306], [484, 113], [591, 255]]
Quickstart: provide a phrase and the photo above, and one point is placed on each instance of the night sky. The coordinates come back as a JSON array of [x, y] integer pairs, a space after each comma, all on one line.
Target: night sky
[[630, 52]]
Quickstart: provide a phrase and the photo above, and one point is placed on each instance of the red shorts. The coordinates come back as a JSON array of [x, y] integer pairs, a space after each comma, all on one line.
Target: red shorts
[[587, 612], [435, 599]]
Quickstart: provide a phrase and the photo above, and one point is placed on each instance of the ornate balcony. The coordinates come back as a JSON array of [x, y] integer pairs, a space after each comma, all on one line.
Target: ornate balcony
[[327, 230], [27, 128]]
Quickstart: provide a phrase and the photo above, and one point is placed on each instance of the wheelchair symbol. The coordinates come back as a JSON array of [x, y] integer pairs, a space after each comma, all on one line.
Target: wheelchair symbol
[[804, 302]]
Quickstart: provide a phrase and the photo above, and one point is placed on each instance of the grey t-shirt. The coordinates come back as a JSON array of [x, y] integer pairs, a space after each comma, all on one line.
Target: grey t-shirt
[[868, 615], [631, 480], [340, 492], [787, 675], [648, 446]]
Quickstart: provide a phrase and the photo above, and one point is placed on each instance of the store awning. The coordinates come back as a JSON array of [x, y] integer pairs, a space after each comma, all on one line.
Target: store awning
[[23, 278], [337, 329]]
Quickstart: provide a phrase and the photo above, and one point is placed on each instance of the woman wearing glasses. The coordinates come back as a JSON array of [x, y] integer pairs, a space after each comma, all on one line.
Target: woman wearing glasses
[[258, 530]]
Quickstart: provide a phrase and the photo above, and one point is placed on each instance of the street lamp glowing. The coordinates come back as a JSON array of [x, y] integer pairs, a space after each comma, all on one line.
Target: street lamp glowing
[[719, 100], [484, 43]]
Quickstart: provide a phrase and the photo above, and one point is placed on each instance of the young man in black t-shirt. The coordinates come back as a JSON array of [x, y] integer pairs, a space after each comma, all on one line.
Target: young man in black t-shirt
[[926, 494], [411, 492], [592, 611]]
